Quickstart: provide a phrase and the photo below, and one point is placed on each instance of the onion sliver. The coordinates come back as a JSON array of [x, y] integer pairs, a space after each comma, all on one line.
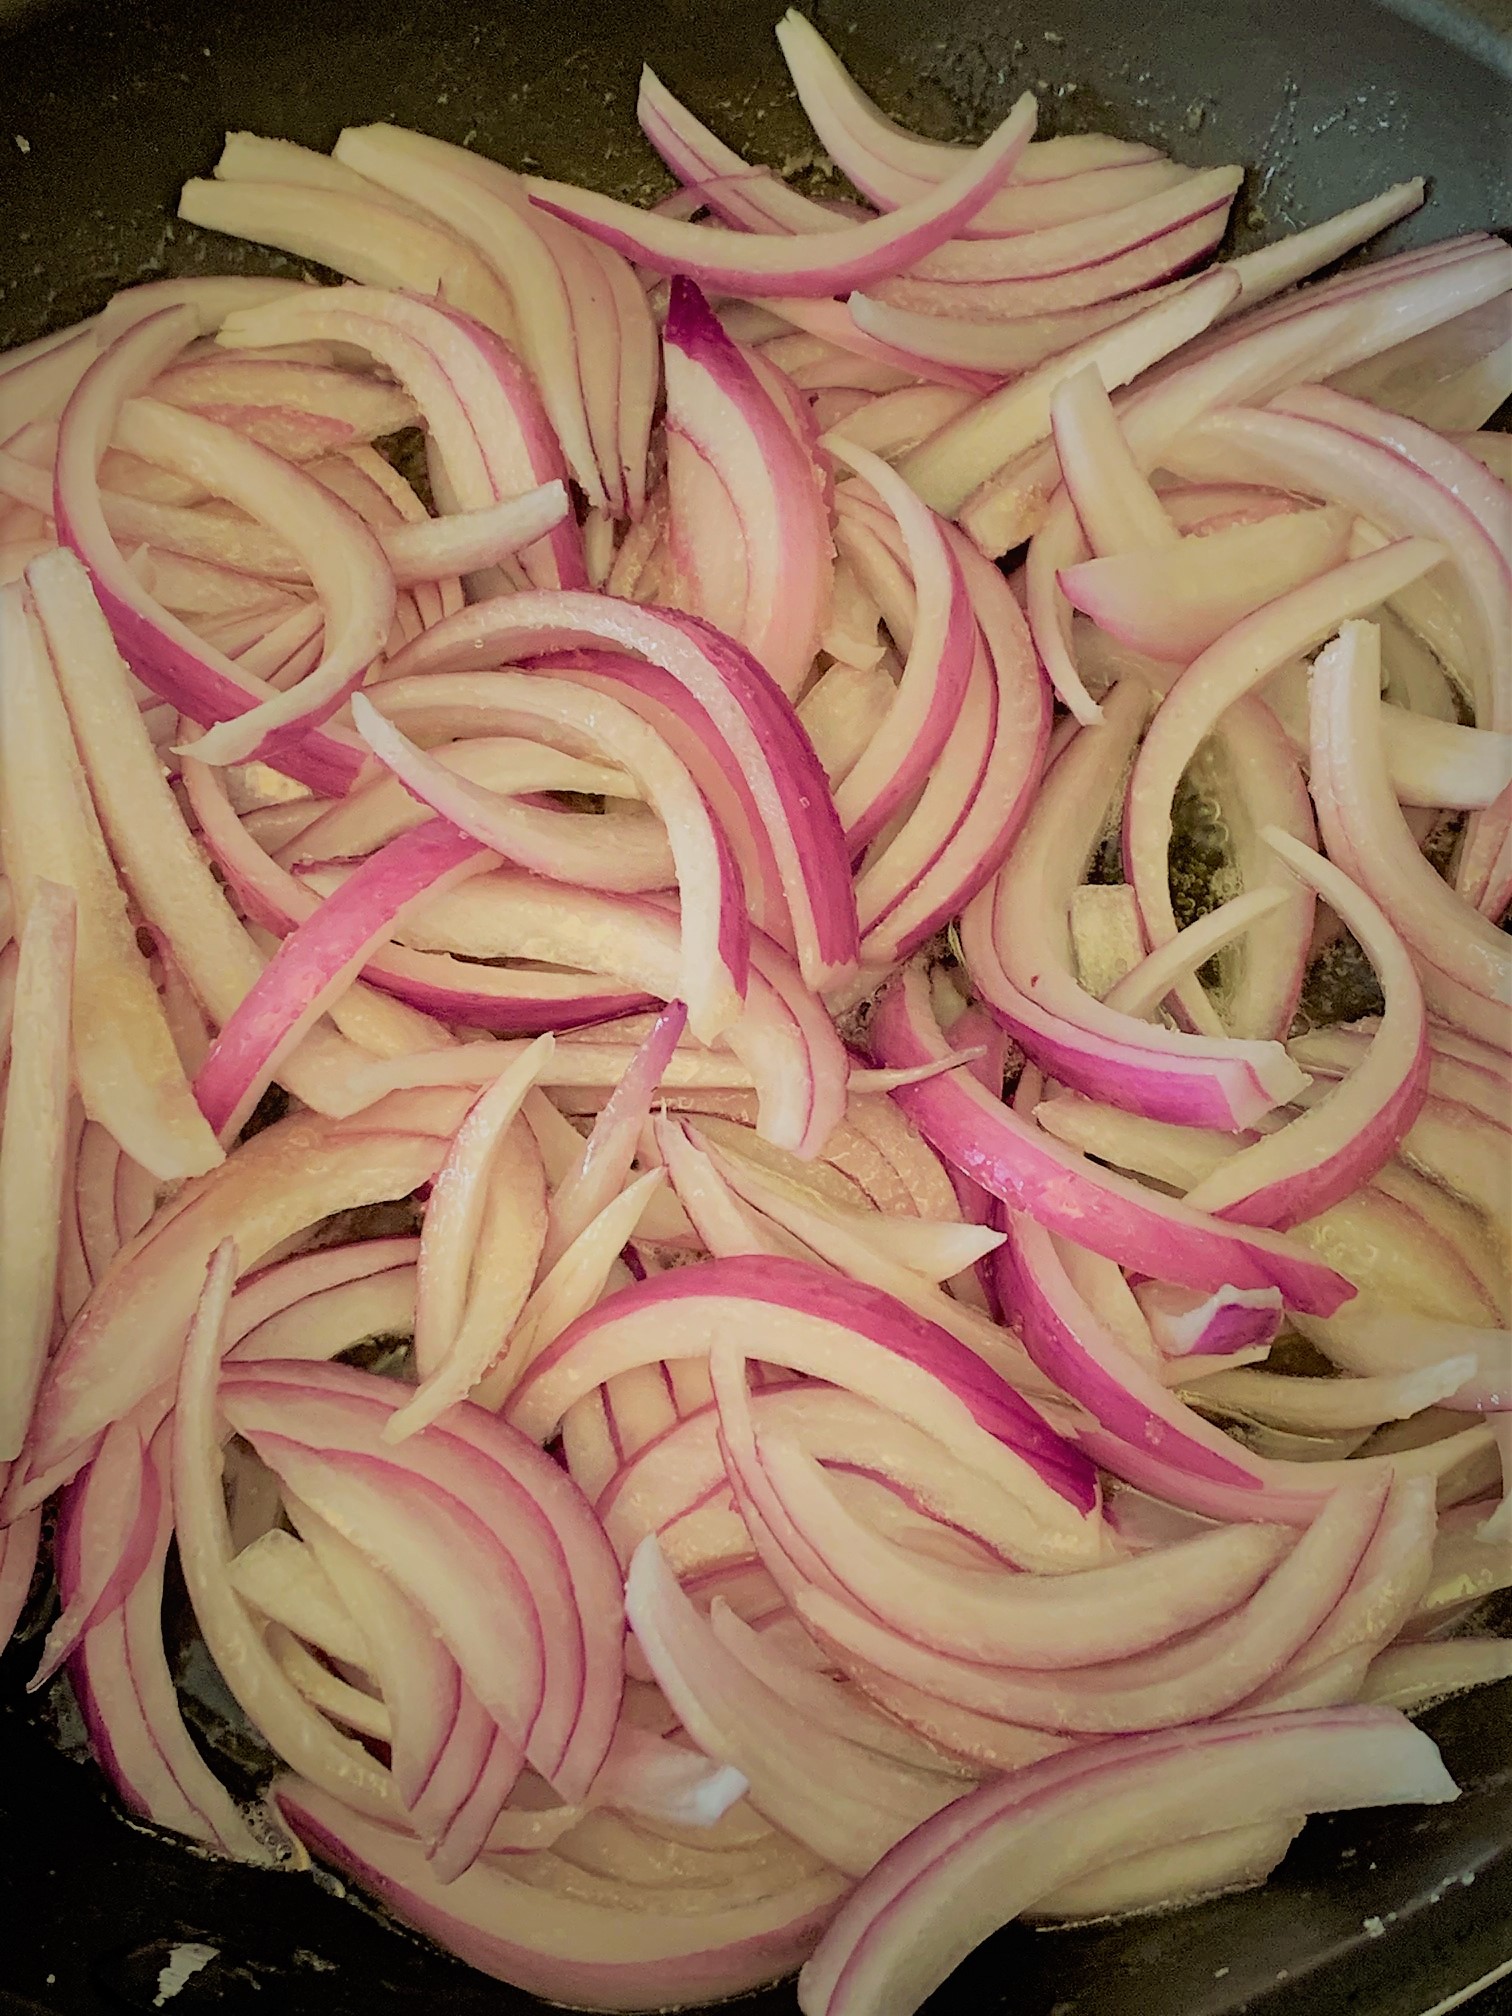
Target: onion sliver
[[319, 959], [1343, 1141], [747, 715], [719, 411], [987, 1857], [1029, 1170], [828, 264], [829, 1328], [32, 1153], [127, 1067]]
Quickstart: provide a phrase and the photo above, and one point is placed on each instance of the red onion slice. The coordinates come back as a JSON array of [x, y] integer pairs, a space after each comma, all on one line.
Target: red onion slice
[[716, 937], [749, 716], [813, 264], [1365, 830], [1291, 1175], [718, 408], [484, 418], [606, 1951], [816, 1323], [320, 958], [1031, 1171], [196, 677], [128, 1069], [33, 1150], [1227, 671], [968, 452], [971, 1868], [1016, 944]]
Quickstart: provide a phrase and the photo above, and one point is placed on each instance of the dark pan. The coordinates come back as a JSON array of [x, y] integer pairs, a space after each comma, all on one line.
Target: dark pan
[[104, 109]]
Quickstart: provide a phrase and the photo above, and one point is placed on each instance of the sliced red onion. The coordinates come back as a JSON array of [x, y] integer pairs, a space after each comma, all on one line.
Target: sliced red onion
[[119, 1674], [128, 1069], [1048, 1623], [196, 677], [169, 877], [1030, 1170], [1209, 1671], [285, 1179], [816, 1323], [747, 715], [557, 1942], [1235, 1321], [611, 1148], [538, 1636], [1365, 828], [811, 264], [978, 1863], [1343, 1141], [1414, 1677], [1174, 607], [1227, 671], [889, 164], [33, 1148], [320, 958], [716, 939], [110, 1522], [915, 728], [1016, 943], [719, 412], [897, 915], [295, 1729], [847, 1804], [1119, 511], [1309, 335], [483, 416], [968, 452], [1098, 247], [470, 1288]]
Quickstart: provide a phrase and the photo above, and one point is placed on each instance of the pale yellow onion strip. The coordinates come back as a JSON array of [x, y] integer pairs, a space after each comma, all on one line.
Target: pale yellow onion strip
[[573, 1286], [128, 1069], [449, 1240], [168, 876], [34, 1154], [299, 1733], [505, 1259]]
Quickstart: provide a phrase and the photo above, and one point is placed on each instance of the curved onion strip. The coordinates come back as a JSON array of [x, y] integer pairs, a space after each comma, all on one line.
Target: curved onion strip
[[1209, 1671], [462, 1191], [490, 1489], [1227, 671], [483, 415], [811, 264], [197, 678], [1029, 1170], [242, 1657], [126, 1341], [749, 716], [32, 1152], [1328, 1152], [719, 409], [716, 947], [1365, 829], [320, 958], [1000, 1850], [556, 1942], [611, 1148], [1015, 938], [966, 453], [127, 1067], [915, 728], [830, 1328]]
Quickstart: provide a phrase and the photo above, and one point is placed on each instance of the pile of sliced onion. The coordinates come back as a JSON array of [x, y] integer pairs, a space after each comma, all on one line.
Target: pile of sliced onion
[[922, 1386]]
